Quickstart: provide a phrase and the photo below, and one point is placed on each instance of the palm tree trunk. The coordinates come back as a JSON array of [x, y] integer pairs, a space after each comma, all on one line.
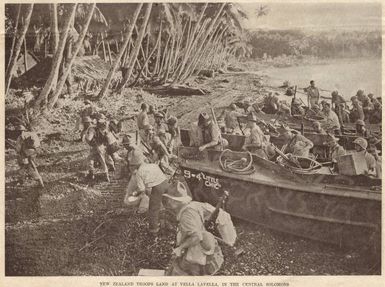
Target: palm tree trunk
[[58, 56], [14, 36], [159, 51], [190, 44], [145, 64], [18, 43], [137, 46], [78, 46], [214, 23], [164, 55], [54, 27], [123, 48]]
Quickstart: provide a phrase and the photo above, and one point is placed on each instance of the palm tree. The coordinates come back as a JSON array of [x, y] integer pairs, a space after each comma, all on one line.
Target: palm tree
[[123, 48], [78, 46], [19, 39], [57, 59], [137, 46]]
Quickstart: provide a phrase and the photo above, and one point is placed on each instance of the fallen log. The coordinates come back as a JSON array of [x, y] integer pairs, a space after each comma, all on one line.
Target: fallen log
[[179, 90]]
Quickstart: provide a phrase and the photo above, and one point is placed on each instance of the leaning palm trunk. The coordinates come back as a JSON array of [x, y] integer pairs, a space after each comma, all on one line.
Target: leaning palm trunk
[[213, 26], [54, 27], [137, 46], [14, 36], [193, 38], [163, 59], [67, 71], [145, 64], [58, 56], [123, 48], [18, 44]]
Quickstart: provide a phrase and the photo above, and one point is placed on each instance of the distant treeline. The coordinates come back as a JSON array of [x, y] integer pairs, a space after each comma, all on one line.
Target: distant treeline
[[331, 44]]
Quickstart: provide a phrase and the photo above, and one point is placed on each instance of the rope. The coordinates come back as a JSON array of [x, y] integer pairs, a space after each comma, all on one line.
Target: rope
[[240, 166]]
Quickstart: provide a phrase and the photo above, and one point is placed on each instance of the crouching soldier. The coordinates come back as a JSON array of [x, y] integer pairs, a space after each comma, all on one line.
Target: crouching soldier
[[26, 146], [211, 133], [150, 177], [197, 252], [86, 118]]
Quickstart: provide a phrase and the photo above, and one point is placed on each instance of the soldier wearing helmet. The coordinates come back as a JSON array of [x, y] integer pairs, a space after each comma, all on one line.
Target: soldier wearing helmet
[[335, 150], [357, 112], [211, 134], [361, 130], [26, 148], [159, 118], [103, 147], [231, 116], [339, 105], [86, 118], [360, 145]]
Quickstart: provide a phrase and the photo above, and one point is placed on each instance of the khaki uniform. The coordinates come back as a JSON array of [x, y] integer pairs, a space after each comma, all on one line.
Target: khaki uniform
[[195, 260], [313, 95], [26, 145]]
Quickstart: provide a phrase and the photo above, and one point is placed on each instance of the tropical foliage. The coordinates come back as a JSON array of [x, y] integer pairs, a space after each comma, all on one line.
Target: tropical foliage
[[150, 44], [324, 44]]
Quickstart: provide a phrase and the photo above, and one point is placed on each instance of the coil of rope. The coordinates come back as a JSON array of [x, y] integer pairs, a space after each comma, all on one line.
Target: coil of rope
[[239, 166]]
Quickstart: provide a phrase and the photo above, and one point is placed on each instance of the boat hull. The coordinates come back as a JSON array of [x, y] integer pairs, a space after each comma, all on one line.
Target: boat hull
[[334, 214]]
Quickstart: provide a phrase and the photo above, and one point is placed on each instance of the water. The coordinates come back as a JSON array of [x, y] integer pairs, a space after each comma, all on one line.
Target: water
[[345, 76]]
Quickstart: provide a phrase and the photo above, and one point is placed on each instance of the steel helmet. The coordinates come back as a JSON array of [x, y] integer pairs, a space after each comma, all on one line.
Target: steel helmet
[[334, 93], [87, 120], [21, 128], [172, 120], [360, 123], [361, 142]]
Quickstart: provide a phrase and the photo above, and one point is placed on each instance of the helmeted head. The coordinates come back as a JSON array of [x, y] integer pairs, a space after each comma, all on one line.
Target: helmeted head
[[360, 125], [354, 99], [101, 121], [331, 140], [172, 121], [128, 142], [159, 117], [285, 132], [334, 94], [137, 159], [144, 107], [204, 120], [312, 83], [316, 108], [317, 126], [176, 198], [233, 107], [360, 144], [370, 96], [149, 130], [326, 106], [21, 128]]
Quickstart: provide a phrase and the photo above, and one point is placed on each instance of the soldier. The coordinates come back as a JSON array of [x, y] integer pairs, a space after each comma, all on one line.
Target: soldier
[[211, 133], [335, 150], [26, 146], [142, 119], [173, 130], [312, 94], [360, 145], [86, 118], [296, 144], [97, 140], [357, 112], [339, 104], [231, 120], [332, 121], [367, 106], [198, 252], [150, 177], [374, 152], [375, 116], [255, 141], [361, 130], [159, 122], [296, 107], [318, 128]]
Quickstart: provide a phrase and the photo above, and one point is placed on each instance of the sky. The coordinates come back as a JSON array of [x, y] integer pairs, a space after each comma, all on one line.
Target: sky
[[315, 16]]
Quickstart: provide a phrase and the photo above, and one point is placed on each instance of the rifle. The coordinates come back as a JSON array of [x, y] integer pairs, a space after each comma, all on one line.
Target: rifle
[[210, 223]]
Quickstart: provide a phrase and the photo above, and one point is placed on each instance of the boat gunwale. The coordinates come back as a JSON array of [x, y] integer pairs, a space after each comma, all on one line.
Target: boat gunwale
[[319, 189]]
